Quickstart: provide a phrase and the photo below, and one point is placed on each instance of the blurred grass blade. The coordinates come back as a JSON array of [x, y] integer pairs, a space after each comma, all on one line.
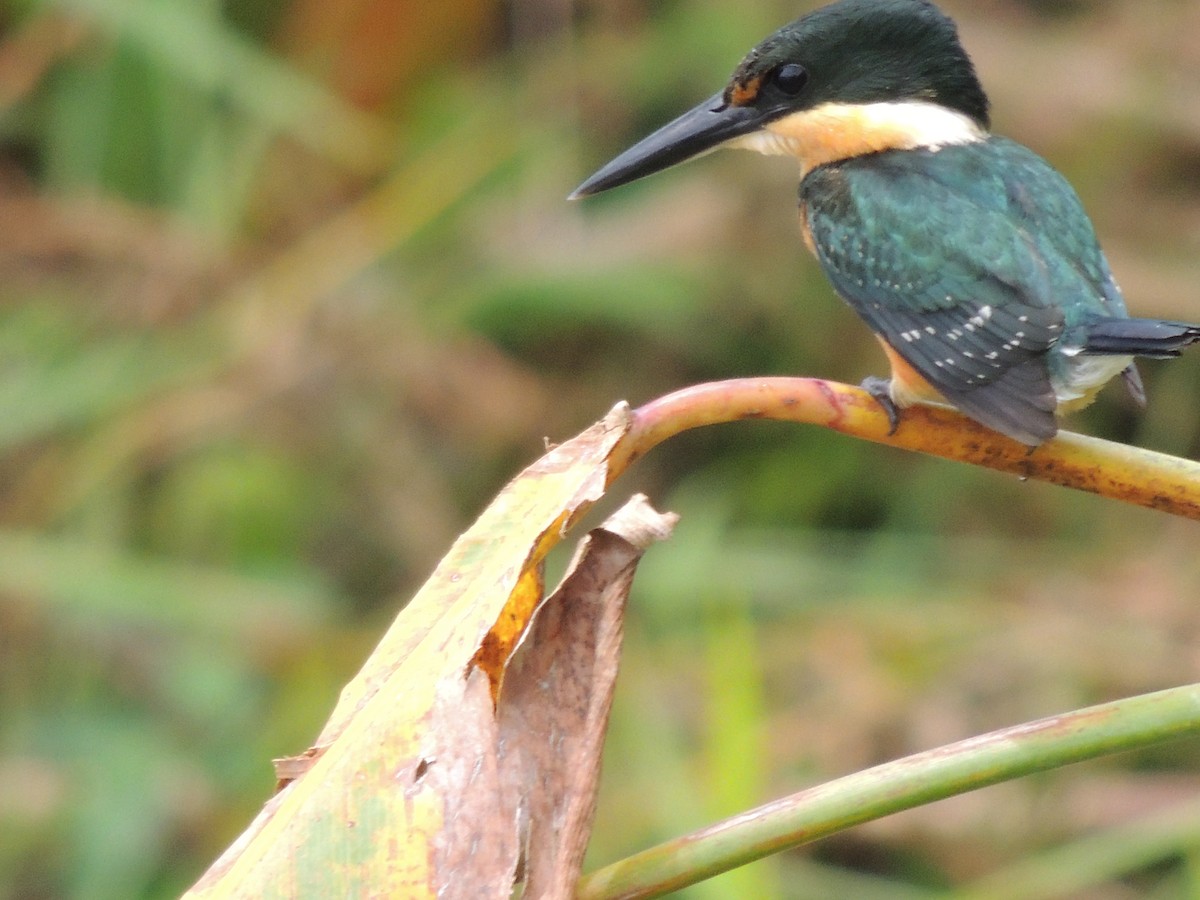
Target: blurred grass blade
[[288, 287], [83, 583], [1073, 869], [735, 739], [915, 780], [221, 61], [44, 390]]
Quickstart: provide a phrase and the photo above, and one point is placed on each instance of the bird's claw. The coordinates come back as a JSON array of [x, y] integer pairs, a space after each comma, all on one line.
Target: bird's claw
[[881, 390]]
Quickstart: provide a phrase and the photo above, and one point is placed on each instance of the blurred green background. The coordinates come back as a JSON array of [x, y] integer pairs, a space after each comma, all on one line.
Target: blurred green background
[[289, 289]]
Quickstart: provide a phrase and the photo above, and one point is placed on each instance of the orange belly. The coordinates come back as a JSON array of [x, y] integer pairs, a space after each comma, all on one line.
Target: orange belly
[[908, 385]]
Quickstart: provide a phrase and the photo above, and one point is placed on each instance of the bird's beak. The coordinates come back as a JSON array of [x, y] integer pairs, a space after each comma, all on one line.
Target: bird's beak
[[699, 130]]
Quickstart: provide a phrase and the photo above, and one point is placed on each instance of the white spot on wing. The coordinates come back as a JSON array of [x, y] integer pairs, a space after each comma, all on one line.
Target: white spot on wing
[[980, 318]]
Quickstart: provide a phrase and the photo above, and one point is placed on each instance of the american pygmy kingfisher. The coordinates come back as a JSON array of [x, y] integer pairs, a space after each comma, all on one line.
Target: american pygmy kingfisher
[[970, 258]]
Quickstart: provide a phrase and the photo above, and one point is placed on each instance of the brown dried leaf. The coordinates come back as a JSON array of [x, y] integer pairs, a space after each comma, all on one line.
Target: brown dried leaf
[[556, 697], [475, 852], [401, 795]]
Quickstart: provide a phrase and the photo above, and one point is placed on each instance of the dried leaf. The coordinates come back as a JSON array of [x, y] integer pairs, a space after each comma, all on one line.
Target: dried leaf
[[402, 796], [557, 694]]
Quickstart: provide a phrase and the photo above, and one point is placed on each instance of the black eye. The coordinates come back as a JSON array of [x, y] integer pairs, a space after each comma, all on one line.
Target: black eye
[[790, 78]]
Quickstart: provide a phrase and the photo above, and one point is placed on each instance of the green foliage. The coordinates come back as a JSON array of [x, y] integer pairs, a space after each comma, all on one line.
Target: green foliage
[[282, 305]]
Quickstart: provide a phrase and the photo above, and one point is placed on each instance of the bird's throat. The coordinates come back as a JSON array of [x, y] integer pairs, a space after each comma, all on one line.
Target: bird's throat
[[836, 131]]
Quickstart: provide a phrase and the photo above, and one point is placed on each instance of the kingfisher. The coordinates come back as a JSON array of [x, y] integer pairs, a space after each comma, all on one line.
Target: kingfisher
[[970, 258]]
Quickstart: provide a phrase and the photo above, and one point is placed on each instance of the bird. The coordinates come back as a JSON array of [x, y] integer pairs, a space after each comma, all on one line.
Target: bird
[[971, 259]]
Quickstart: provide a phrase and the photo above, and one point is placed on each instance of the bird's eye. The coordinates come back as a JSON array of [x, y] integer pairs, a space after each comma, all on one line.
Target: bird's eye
[[790, 78]]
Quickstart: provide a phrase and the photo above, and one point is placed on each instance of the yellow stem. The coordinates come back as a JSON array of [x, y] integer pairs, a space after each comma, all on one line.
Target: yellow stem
[[1130, 474]]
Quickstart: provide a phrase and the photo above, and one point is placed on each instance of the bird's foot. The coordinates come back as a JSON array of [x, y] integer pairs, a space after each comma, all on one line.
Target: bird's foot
[[881, 390]]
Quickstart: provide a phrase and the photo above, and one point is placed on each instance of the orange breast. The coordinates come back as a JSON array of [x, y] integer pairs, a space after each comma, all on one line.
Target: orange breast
[[806, 230], [908, 385]]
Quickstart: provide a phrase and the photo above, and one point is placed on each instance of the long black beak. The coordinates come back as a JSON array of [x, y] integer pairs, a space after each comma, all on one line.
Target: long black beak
[[697, 131]]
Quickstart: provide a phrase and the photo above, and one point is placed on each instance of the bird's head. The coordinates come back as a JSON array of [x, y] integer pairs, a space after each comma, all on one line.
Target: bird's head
[[854, 77]]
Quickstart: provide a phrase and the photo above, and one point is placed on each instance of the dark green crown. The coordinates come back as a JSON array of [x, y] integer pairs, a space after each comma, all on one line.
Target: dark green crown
[[862, 51]]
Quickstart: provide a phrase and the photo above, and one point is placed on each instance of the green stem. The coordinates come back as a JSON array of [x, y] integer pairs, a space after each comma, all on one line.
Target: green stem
[[913, 781]]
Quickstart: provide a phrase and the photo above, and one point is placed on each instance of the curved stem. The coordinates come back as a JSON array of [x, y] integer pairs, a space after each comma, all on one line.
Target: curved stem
[[915, 780], [1118, 471]]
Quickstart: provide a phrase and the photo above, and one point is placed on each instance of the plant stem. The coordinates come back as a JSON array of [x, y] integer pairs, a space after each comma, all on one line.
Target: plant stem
[[1117, 471], [913, 781]]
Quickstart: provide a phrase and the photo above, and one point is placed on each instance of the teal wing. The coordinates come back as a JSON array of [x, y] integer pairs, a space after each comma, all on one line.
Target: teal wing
[[970, 261]]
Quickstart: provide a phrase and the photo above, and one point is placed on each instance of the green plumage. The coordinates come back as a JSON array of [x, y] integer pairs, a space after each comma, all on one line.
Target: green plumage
[[976, 262]]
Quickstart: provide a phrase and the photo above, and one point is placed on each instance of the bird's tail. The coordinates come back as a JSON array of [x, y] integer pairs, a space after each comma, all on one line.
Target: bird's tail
[[1154, 338]]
